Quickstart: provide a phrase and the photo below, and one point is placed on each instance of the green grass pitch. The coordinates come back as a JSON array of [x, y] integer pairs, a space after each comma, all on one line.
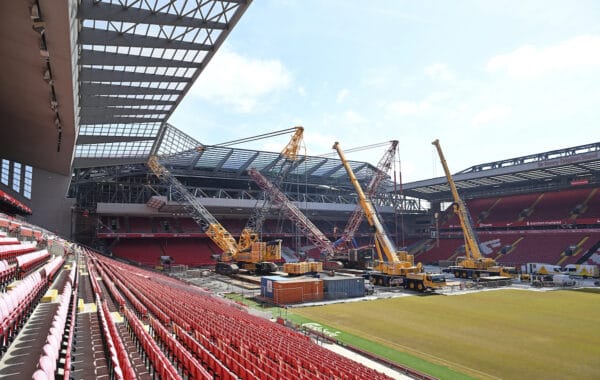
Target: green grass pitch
[[507, 334]]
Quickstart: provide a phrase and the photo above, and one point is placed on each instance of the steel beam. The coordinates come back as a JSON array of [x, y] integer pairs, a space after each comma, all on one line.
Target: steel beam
[[91, 10], [87, 89], [103, 101], [99, 75], [103, 58], [86, 139], [108, 119], [112, 111], [91, 36]]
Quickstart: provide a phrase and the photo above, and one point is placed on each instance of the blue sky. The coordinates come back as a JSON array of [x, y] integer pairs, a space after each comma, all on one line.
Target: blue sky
[[490, 79]]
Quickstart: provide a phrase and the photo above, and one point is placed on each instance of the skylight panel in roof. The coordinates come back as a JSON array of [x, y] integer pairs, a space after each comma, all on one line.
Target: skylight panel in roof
[[569, 169], [262, 160], [536, 174], [136, 130], [237, 159], [325, 168], [594, 165], [508, 178], [113, 150], [466, 185]]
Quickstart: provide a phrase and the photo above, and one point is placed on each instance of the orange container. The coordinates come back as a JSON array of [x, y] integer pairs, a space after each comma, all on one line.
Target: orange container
[[298, 291]]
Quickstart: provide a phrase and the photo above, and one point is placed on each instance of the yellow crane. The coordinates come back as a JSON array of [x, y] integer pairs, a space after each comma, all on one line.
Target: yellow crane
[[393, 267], [473, 264], [257, 258], [248, 253]]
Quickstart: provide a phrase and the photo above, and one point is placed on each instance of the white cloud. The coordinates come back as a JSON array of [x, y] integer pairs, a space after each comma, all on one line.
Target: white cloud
[[529, 61], [341, 96], [401, 108], [301, 91], [353, 117], [491, 114], [242, 82], [439, 71]]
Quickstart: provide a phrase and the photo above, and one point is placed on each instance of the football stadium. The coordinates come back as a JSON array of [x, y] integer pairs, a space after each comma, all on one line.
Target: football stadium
[[131, 248]]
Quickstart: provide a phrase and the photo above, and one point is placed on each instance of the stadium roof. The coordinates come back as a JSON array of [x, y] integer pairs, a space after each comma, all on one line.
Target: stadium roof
[[97, 79], [137, 59], [179, 152], [554, 170]]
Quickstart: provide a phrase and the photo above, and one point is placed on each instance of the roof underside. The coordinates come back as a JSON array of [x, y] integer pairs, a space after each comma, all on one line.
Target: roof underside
[[179, 152], [137, 59], [37, 85], [554, 170]]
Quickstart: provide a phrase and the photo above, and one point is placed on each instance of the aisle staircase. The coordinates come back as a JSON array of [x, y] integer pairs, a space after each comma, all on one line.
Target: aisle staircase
[[577, 251], [513, 246]]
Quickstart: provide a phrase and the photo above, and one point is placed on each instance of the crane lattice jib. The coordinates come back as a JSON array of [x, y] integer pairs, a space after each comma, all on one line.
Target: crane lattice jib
[[285, 163], [291, 211], [386, 244], [200, 214], [460, 208], [383, 166], [290, 152]]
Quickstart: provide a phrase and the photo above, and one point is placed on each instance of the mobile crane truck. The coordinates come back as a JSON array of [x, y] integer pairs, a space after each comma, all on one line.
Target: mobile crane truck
[[392, 267], [473, 264]]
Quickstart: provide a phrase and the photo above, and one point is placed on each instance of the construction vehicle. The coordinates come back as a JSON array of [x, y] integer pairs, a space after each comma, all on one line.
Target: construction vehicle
[[392, 267], [347, 250], [540, 268], [305, 225], [335, 253], [581, 270], [249, 253], [281, 168], [383, 166], [473, 264]]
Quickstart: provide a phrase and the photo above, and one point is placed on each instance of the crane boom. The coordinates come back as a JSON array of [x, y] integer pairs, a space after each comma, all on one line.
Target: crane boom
[[289, 155], [384, 245], [383, 166], [292, 212], [200, 214], [460, 208]]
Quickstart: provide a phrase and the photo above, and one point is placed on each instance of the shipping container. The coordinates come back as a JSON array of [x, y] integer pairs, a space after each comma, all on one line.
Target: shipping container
[[343, 287], [266, 285], [297, 291]]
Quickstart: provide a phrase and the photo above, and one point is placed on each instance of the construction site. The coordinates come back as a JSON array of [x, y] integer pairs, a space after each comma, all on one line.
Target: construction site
[[131, 248]]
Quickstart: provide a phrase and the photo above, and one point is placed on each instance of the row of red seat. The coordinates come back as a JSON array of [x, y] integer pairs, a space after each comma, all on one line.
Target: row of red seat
[[109, 284], [71, 319], [7, 273], [50, 358], [16, 306], [215, 366], [51, 268], [118, 359], [189, 365], [11, 251], [217, 324], [162, 366], [94, 281], [9, 240], [29, 261]]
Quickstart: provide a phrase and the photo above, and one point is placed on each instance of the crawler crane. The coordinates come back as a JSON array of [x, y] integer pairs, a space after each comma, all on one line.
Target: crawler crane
[[247, 253], [334, 252], [392, 267], [473, 264]]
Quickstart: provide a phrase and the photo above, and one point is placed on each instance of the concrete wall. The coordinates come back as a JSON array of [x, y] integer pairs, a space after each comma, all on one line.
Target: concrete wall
[[51, 208]]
